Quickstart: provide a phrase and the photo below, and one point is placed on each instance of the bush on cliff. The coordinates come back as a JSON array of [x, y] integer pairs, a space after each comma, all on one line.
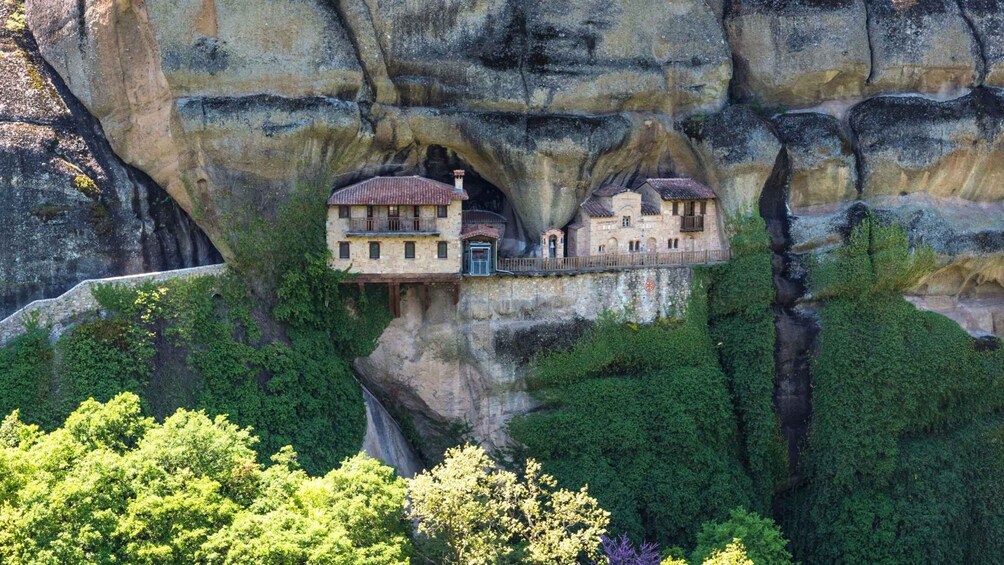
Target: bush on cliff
[[270, 346], [741, 308], [113, 486], [905, 447], [648, 418], [200, 343], [642, 415]]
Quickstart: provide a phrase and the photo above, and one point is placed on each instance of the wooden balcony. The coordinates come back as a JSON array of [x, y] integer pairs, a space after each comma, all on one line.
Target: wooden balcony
[[691, 223], [392, 226], [611, 262]]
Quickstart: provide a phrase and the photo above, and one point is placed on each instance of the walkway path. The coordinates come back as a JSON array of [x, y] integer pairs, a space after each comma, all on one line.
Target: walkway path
[[61, 311]]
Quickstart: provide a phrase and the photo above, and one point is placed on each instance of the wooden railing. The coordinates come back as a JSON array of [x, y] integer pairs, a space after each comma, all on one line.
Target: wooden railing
[[691, 223], [391, 225], [611, 261]]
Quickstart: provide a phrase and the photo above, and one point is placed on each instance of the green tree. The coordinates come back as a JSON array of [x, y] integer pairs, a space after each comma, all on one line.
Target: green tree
[[764, 544], [112, 485], [733, 554], [479, 513]]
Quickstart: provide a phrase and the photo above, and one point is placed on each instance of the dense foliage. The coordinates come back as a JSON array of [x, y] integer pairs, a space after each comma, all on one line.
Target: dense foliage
[[761, 538], [741, 299], [905, 451], [274, 355], [113, 486], [642, 415], [196, 343], [470, 511], [648, 418]]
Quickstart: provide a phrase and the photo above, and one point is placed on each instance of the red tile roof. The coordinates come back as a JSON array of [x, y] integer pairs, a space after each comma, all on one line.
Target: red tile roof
[[596, 209], [649, 209], [479, 230], [681, 189], [412, 190]]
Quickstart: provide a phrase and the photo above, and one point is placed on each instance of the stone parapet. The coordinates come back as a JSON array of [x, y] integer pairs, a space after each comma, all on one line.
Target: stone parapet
[[60, 312]]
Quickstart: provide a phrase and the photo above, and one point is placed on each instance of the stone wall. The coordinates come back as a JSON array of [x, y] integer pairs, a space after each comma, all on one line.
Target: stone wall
[[61, 312], [447, 364], [392, 259]]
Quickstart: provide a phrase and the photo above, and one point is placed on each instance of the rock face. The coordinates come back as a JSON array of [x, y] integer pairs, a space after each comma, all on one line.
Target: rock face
[[945, 149], [921, 46], [823, 164], [314, 90], [738, 151], [458, 368], [834, 104], [72, 210], [799, 52]]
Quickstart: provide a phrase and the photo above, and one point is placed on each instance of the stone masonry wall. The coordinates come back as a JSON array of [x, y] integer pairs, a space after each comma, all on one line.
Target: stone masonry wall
[[445, 363], [62, 311]]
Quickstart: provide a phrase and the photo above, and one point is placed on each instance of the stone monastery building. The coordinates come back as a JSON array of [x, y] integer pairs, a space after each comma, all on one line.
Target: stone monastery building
[[677, 214], [414, 229]]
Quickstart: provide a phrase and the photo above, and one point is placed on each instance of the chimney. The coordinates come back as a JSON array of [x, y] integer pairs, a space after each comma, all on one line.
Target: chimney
[[458, 180]]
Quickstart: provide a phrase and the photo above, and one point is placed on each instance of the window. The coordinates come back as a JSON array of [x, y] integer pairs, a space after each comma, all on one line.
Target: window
[[704, 207], [374, 250], [369, 211], [415, 211], [675, 209], [626, 221], [441, 211], [443, 250], [634, 246], [670, 243], [603, 248], [343, 250], [409, 250], [676, 243], [343, 211], [393, 212]]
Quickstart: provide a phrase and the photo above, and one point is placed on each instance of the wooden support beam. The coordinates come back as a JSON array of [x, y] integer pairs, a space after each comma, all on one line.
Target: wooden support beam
[[392, 300]]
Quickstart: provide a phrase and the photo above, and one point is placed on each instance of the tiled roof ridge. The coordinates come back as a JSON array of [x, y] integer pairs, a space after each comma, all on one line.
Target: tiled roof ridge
[[406, 190]]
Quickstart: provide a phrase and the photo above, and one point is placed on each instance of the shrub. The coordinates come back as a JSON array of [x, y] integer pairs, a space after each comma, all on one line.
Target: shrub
[[761, 538], [474, 512], [620, 399], [904, 440]]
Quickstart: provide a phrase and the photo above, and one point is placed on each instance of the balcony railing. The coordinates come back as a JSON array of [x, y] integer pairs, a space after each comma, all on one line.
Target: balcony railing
[[691, 223], [393, 225], [611, 262]]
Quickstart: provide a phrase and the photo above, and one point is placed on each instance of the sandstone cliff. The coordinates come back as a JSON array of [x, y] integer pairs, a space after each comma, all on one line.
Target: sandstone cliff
[[72, 210], [830, 107]]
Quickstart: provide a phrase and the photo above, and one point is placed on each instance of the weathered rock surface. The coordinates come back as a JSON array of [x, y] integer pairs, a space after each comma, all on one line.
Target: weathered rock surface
[[738, 151], [921, 46], [72, 210], [986, 18], [799, 53], [823, 166], [314, 91], [463, 366], [910, 144]]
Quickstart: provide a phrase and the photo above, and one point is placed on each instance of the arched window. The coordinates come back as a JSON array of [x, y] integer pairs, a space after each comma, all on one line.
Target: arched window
[[552, 246]]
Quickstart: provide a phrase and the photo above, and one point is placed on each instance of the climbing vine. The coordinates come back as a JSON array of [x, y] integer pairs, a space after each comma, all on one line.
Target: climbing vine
[[903, 462]]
